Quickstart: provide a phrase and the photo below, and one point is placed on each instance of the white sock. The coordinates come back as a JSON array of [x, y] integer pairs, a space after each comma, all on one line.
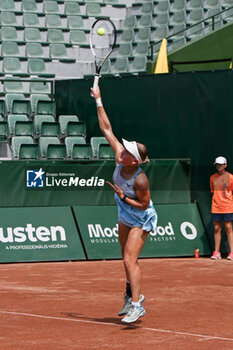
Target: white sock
[[136, 303]]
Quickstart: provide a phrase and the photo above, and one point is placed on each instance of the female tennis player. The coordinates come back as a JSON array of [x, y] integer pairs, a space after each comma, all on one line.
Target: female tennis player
[[136, 214]]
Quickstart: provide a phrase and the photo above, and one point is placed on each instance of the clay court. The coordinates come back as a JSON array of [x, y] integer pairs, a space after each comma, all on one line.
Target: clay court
[[74, 305]]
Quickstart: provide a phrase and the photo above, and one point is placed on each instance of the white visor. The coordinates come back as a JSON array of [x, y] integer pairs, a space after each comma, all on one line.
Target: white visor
[[132, 148]]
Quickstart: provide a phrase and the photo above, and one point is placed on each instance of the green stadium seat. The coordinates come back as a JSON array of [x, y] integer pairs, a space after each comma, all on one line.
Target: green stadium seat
[[163, 6], [226, 3], [121, 65], [93, 10], [17, 141], [211, 4], [105, 152], [147, 7], [53, 21], [31, 19], [76, 128], [142, 48], [95, 142], [130, 22], [39, 87], [50, 7], [12, 65], [195, 32], [10, 49], [159, 33], [58, 52], [194, 4], [9, 34], [143, 34], [162, 19], [78, 37], [196, 15], [146, 20], [34, 50], [56, 151], [72, 8], [36, 66], [24, 128], [9, 98], [29, 151], [82, 151], [12, 119], [11, 86], [39, 119], [176, 29], [34, 98], [2, 107], [21, 107], [55, 36], [218, 22], [29, 6], [75, 22], [179, 5], [178, 17], [64, 120], [125, 50], [3, 131], [8, 19], [44, 141], [7, 5], [106, 69], [127, 35], [32, 35], [70, 141], [139, 64], [50, 128], [45, 107]]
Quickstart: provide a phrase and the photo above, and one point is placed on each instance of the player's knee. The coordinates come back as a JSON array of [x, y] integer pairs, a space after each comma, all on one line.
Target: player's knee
[[128, 261]]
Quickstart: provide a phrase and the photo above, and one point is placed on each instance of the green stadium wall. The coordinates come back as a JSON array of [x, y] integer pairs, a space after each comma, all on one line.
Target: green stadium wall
[[183, 115]]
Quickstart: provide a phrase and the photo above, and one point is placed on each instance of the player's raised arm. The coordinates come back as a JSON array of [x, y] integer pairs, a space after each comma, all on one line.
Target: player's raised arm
[[105, 125]]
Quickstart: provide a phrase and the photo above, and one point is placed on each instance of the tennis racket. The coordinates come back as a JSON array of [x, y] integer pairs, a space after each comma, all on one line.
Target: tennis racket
[[102, 43]]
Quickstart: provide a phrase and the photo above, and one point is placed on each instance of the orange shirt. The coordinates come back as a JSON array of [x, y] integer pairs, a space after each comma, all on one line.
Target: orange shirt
[[222, 186]]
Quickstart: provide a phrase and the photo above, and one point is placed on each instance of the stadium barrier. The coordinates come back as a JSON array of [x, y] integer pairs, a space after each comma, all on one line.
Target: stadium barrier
[[39, 234], [179, 232]]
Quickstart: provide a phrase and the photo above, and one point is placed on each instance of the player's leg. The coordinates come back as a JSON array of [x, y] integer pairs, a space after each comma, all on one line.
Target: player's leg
[[217, 239], [135, 242], [229, 232]]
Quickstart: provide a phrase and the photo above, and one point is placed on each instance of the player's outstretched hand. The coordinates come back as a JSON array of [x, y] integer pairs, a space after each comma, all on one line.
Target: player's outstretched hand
[[116, 189], [95, 93]]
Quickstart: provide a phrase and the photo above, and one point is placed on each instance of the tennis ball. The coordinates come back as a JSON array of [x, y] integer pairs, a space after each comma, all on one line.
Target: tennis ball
[[101, 31]]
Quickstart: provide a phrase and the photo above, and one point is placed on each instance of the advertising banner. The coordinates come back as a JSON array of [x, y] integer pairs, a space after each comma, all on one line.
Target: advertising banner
[[39, 234], [67, 183], [179, 232]]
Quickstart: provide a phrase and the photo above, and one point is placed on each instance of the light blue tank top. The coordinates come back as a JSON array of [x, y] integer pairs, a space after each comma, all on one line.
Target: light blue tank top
[[125, 185], [127, 214]]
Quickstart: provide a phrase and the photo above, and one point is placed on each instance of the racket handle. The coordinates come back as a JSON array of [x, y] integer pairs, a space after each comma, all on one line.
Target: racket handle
[[96, 81]]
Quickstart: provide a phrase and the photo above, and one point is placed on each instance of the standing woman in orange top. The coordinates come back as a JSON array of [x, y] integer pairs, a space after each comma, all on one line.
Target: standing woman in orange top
[[221, 185]]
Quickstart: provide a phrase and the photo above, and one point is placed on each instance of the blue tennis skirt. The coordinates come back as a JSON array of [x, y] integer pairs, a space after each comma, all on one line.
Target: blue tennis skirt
[[133, 217], [222, 217]]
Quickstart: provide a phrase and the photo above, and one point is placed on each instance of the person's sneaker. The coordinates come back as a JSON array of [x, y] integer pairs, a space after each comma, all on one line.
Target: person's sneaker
[[127, 304], [216, 255], [133, 314], [230, 256]]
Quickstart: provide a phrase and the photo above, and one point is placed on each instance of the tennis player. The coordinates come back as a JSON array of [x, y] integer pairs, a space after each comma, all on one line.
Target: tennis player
[[221, 185], [136, 214]]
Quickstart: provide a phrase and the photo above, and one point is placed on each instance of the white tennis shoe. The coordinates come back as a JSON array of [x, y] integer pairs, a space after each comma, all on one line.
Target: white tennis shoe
[[127, 304], [133, 314]]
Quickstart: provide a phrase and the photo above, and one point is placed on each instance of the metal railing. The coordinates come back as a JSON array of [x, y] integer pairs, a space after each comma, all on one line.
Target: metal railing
[[210, 18]]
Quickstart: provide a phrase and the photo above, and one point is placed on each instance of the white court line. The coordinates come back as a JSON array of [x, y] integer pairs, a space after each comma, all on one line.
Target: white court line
[[207, 337]]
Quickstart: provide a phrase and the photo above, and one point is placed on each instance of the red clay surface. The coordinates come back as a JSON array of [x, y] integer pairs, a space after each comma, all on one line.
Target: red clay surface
[[74, 305]]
